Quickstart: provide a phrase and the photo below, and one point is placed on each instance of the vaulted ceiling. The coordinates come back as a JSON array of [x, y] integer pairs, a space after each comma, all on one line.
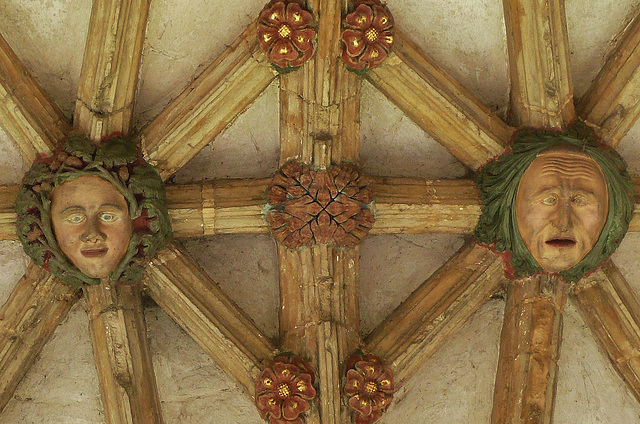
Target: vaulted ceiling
[[200, 46]]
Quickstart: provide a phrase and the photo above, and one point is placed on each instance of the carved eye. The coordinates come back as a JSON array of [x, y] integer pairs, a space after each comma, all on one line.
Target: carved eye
[[76, 218], [550, 200], [580, 200], [108, 217]]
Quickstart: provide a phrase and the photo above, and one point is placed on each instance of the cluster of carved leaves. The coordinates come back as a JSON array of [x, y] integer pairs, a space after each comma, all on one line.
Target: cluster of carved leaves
[[307, 206]]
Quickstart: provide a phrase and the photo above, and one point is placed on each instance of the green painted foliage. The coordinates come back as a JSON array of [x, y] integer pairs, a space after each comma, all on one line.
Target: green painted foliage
[[498, 182], [118, 161]]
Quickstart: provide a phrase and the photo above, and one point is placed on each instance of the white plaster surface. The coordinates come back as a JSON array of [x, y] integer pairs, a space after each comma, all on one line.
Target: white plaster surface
[[13, 264], [183, 38], [456, 385], [593, 29], [248, 148], [393, 266], [466, 38], [246, 269], [392, 144], [589, 391], [49, 37], [629, 149], [62, 385], [12, 166], [192, 388]]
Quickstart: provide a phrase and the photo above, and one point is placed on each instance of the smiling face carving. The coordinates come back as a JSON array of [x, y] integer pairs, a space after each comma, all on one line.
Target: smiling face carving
[[91, 223], [561, 207]]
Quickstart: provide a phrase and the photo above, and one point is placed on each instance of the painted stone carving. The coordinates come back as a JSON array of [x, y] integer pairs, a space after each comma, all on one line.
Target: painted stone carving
[[369, 387], [285, 34], [556, 202], [284, 390], [307, 206], [368, 35], [93, 212]]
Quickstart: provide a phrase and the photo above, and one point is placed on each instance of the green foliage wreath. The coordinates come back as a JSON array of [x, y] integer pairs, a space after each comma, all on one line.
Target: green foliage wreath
[[498, 182], [117, 160]]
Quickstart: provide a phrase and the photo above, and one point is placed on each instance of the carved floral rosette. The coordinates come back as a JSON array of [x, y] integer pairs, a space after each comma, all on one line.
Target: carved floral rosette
[[284, 390], [368, 386], [307, 206], [285, 34], [368, 35]]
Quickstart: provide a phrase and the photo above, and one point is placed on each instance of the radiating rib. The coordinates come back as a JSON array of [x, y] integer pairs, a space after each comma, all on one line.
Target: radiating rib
[[612, 311], [418, 205], [37, 305], [213, 320], [541, 84], [319, 126], [121, 351], [436, 310], [107, 88], [205, 108], [319, 316], [612, 103], [440, 105], [529, 348], [30, 119], [217, 207], [110, 66]]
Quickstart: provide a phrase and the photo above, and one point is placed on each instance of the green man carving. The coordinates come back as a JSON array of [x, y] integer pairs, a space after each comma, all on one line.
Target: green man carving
[[93, 212], [556, 202]]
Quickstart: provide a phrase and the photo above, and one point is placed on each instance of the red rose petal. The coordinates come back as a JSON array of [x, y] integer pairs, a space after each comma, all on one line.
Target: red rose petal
[[361, 18], [274, 15], [382, 18], [293, 406], [355, 382], [354, 42], [269, 404], [303, 38]]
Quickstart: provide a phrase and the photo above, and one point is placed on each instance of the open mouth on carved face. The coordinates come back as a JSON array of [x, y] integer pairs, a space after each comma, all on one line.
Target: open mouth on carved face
[[94, 253], [561, 242]]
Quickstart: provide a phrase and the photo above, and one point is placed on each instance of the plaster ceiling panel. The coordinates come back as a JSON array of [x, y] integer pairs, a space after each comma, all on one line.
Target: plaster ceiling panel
[[12, 165], [392, 144], [591, 35], [629, 149], [246, 269], [393, 266], [13, 264], [456, 384], [183, 38], [192, 387], [467, 38], [62, 384], [589, 391], [49, 38], [248, 148], [626, 258]]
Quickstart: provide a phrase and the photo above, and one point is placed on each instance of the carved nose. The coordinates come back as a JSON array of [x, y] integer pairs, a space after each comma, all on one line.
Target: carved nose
[[92, 232], [562, 219]]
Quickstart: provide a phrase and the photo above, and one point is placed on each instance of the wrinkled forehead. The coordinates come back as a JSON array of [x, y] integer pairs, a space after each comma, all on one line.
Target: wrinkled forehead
[[566, 168]]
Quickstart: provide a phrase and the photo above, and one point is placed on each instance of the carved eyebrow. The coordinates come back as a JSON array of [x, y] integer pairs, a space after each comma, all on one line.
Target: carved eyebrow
[[112, 205], [73, 209]]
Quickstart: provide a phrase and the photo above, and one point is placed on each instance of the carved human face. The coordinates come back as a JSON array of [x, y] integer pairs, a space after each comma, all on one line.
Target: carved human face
[[561, 207], [91, 223]]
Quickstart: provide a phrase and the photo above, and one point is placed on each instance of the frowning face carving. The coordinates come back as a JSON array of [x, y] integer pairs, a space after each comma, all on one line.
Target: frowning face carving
[[561, 207], [91, 223]]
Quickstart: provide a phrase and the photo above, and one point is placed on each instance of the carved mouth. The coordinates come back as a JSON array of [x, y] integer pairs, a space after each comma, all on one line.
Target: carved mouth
[[94, 253], [561, 242]]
